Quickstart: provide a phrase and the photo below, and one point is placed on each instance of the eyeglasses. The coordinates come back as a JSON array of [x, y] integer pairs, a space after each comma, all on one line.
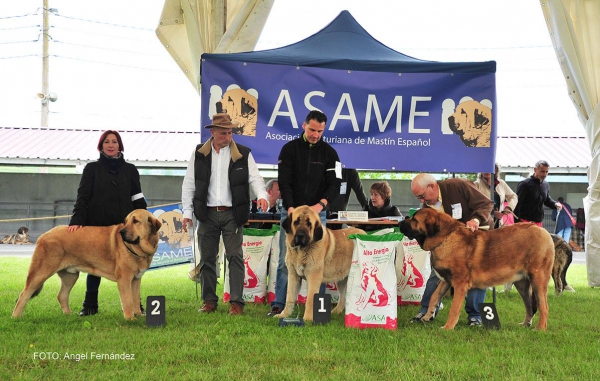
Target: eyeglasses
[[422, 195]]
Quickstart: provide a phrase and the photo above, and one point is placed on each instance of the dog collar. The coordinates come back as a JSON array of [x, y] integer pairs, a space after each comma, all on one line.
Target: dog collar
[[131, 251]]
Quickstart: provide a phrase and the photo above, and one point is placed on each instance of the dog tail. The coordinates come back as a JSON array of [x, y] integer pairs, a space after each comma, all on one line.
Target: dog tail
[[37, 292]]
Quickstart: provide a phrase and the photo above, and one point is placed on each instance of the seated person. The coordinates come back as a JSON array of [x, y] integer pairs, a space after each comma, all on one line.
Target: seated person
[[380, 204], [273, 195]]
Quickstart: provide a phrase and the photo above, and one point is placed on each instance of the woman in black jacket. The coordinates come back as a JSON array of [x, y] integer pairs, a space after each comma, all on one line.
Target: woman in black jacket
[[108, 191], [380, 204]]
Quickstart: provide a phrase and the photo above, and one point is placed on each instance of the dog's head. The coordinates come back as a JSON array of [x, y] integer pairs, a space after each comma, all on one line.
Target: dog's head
[[23, 234], [424, 227], [303, 226], [141, 228], [472, 122]]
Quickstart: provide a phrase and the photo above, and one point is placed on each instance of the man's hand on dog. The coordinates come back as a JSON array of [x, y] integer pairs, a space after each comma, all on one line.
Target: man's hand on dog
[[473, 224]]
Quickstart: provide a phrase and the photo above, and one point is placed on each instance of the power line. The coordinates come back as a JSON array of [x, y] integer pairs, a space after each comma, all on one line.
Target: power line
[[111, 64], [103, 23], [22, 27], [109, 49], [26, 55], [100, 34], [20, 16]]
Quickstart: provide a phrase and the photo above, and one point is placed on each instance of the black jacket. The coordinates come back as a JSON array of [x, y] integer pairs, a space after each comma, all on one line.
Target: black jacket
[[307, 173], [352, 180], [386, 211], [105, 191], [533, 195]]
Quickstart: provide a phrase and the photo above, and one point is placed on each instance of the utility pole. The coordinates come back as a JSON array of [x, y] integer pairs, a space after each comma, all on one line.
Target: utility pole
[[45, 65]]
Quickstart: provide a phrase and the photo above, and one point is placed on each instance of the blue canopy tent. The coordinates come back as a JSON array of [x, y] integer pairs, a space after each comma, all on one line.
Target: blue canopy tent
[[388, 106]]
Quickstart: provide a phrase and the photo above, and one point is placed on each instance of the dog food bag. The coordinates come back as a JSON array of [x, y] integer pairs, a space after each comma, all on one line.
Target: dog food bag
[[371, 300], [412, 271], [256, 246]]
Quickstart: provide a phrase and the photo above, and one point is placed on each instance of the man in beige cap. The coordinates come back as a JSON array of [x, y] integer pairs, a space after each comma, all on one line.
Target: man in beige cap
[[216, 190]]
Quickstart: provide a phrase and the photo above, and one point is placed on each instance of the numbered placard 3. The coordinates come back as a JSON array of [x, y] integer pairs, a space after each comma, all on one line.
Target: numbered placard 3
[[322, 309], [489, 316], [155, 311]]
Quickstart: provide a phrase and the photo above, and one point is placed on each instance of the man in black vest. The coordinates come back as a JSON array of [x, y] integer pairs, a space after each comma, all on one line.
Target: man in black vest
[[216, 189]]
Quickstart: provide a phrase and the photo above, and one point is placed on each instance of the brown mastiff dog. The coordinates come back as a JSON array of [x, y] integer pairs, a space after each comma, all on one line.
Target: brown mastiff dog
[[522, 253], [317, 254], [121, 253], [563, 256]]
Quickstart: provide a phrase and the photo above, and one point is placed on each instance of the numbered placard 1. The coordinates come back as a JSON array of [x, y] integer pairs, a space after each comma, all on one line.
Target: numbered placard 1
[[322, 309], [489, 316], [155, 311]]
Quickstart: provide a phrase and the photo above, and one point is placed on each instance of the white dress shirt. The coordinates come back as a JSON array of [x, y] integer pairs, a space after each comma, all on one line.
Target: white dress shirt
[[219, 192]]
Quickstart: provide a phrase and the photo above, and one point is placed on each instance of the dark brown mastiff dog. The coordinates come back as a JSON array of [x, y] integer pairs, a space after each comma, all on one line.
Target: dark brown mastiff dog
[[317, 254], [522, 253], [121, 253]]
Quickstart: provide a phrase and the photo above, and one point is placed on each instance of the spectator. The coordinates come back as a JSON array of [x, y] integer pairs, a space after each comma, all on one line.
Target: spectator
[[564, 225], [534, 193], [108, 191], [460, 199], [309, 174], [350, 181], [273, 195], [380, 204], [216, 189], [503, 195]]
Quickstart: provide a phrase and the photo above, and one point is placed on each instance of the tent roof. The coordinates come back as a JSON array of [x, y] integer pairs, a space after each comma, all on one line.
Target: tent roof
[[344, 44]]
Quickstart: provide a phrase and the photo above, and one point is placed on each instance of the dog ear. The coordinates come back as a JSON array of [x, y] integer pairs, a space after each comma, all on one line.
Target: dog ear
[[318, 232], [480, 118], [432, 226], [154, 225], [286, 224]]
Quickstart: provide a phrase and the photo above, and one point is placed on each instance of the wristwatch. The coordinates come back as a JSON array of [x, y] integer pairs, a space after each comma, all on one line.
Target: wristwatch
[[322, 204]]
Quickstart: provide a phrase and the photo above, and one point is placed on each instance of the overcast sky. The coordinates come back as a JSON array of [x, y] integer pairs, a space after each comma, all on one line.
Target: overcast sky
[[110, 71]]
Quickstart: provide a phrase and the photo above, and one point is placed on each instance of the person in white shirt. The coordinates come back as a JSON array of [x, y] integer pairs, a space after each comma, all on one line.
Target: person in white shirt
[[216, 189]]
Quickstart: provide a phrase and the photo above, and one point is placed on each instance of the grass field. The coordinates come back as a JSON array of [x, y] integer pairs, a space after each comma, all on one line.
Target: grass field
[[45, 344]]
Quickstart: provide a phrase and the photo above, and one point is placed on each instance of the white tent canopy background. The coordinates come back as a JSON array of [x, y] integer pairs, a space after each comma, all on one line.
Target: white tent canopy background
[[575, 33], [188, 28]]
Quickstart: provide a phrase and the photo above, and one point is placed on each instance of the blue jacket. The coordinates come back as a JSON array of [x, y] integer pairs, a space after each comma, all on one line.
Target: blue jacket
[[563, 221]]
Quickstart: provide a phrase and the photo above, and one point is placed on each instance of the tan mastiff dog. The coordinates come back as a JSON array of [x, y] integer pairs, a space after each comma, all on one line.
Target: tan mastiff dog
[[521, 253], [121, 253], [317, 254]]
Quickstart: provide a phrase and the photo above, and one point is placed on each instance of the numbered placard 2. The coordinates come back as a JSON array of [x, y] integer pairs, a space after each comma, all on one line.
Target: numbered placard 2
[[155, 311], [489, 316], [322, 309]]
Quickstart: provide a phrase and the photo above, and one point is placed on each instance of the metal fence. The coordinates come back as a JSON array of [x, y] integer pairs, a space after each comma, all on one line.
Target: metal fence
[[41, 217]]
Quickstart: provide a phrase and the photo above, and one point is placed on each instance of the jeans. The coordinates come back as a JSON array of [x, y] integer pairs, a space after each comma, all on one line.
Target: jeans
[[282, 271], [472, 300], [565, 234]]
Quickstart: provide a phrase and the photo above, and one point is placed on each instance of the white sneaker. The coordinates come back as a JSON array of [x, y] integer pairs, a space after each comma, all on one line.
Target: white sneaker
[[569, 288]]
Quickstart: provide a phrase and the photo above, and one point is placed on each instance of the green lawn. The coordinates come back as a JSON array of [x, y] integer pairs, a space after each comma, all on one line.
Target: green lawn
[[195, 346]]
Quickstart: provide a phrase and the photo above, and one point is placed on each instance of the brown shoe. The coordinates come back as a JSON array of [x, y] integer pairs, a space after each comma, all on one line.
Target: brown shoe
[[208, 307], [235, 309]]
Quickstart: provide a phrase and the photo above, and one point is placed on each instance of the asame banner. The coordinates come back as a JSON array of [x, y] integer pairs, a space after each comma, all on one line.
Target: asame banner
[[434, 122], [174, 246]]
